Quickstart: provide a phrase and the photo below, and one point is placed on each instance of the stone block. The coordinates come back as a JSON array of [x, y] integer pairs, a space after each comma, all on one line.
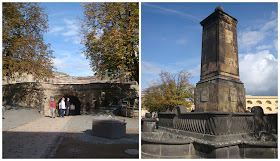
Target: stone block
[[151, 149], [149, 126], [234, 152], [204, 151], [109, 128], [259, 152], [221, 152], [175, 150]]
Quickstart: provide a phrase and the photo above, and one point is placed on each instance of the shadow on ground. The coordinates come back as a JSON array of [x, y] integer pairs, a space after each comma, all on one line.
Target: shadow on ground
[[66, 145]]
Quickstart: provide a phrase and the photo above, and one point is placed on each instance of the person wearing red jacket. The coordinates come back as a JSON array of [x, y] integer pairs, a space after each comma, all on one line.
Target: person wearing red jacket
[[52, 108]]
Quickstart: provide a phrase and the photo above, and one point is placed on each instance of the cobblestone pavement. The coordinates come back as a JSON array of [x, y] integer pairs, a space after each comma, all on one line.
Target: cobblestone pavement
[[44, 137]]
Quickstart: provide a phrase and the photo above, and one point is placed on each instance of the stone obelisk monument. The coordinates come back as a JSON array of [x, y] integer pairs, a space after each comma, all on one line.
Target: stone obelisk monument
[[219, 88]]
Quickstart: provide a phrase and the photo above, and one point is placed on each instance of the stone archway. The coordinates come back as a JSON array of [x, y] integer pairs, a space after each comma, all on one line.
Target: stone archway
[[73, 99]]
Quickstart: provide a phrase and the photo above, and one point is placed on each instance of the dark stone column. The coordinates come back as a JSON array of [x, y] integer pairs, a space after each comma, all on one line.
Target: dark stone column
[[219, 88]]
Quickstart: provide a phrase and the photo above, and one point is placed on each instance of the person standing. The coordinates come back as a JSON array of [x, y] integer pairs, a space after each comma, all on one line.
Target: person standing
[[67, 106], [72, 109], [52, 108], [63, 107]]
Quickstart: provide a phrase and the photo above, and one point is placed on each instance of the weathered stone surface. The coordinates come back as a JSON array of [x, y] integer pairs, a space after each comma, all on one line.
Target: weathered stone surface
[[152, 149], [219, 88], [149, 125], [260, 152], [219, 46], [109, 128], [223, 96]]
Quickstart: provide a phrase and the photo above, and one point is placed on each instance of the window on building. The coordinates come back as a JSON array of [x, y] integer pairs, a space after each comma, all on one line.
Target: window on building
[[269, 108], [249, 102], [249, 108], [276, 108], [276, 103], [268, 102], [258, 102]]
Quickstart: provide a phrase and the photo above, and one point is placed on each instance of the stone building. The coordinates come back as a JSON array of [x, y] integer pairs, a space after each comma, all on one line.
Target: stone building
[[269, 104], [87, 93]]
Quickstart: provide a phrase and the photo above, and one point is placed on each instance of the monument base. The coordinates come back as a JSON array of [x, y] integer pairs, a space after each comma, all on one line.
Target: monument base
[[164, 145], [219, 94], [212, 135]]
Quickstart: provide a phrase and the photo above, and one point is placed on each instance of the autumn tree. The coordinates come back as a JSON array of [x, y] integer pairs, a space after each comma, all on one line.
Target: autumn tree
[[23, 46], [172, 90], [111, 38]]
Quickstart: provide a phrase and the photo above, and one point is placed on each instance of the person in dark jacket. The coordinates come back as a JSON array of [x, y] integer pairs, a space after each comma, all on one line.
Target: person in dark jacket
[[67, 106]]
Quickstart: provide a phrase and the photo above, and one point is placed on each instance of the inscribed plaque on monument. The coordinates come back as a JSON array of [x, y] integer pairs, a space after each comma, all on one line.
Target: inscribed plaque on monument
[[204, 95], [233, 95]]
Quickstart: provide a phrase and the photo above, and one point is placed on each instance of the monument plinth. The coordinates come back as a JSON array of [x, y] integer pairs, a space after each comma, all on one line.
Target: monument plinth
[[219, 88]]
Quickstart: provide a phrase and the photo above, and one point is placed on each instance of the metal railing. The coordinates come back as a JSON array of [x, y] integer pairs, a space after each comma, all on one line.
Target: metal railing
[[215, 123]]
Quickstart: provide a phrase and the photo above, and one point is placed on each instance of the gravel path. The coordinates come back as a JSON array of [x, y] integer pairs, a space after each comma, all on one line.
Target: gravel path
[[27, 134]]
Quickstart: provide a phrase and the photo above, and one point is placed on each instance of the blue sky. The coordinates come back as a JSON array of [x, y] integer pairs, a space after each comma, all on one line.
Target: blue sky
[[65, 38], [171, 41]]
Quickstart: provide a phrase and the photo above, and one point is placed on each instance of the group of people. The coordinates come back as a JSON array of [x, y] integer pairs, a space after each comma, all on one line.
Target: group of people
[[65, 108]]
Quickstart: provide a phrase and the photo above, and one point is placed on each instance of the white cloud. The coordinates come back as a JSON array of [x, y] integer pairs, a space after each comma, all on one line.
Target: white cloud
[[262, 47], [150, 82], [269, 25], [71, 27], [59, 64], [150, 68], [56, 29], [251, 37], [167, 10], [259, 73], [72, 64]]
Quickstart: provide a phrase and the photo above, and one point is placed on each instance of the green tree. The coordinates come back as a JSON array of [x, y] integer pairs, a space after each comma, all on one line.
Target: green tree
[[23, 46], [172, 90], [111, 37]]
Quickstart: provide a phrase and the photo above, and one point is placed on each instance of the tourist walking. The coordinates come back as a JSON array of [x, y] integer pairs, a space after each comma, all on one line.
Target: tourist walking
[[62, 107], [67, 107], [52, 108], [72, 109]]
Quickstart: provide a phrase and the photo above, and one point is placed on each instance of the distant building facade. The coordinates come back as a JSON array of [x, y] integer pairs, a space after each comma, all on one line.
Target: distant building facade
[[269, 104]]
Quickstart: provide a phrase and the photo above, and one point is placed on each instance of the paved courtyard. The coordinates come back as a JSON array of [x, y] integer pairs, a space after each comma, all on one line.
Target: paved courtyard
[[28, 134]]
